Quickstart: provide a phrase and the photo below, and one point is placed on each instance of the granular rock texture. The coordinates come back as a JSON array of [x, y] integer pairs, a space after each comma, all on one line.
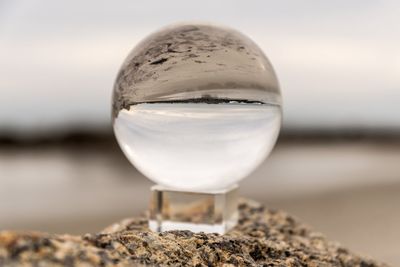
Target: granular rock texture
[[262, 238]]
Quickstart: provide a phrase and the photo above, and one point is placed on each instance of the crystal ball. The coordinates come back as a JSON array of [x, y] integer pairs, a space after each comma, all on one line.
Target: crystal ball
[[196, 107]]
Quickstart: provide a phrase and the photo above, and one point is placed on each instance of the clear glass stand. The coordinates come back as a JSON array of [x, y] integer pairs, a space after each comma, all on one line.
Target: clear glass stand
[[209, 212]]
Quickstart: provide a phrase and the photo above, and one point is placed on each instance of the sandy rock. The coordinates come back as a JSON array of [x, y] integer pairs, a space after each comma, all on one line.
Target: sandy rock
[[262, 238]]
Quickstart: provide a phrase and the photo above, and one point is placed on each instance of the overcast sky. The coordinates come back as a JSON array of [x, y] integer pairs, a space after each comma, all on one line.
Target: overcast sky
[[338, 62]]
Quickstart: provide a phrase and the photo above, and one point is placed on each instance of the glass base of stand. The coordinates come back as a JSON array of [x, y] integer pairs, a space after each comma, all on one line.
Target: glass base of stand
[[209, 212]]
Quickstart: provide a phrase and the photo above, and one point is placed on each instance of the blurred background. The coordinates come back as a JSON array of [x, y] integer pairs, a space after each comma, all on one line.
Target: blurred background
[[336, 165]]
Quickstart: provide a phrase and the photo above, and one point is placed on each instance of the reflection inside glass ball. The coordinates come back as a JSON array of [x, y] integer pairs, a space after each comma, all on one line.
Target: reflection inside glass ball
[[196, 145], [196, 107]]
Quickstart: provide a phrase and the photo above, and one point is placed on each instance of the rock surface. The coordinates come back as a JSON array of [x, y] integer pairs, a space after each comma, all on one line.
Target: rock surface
[[262, 238]]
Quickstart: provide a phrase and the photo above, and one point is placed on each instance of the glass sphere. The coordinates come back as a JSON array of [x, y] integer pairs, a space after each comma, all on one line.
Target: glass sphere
[[196, 107]]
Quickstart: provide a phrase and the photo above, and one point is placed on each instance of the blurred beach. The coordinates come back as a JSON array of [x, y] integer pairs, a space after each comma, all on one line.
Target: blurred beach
[[335, 165], [346, 188]]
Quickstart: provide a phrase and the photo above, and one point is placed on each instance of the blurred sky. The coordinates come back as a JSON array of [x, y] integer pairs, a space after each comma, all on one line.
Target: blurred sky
[[338, 62]]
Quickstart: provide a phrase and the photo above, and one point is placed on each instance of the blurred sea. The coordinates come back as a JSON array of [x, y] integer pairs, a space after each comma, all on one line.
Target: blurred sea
[[347, 188]]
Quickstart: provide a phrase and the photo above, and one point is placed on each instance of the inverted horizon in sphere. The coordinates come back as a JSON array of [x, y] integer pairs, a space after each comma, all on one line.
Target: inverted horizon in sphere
[[190, 61]]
